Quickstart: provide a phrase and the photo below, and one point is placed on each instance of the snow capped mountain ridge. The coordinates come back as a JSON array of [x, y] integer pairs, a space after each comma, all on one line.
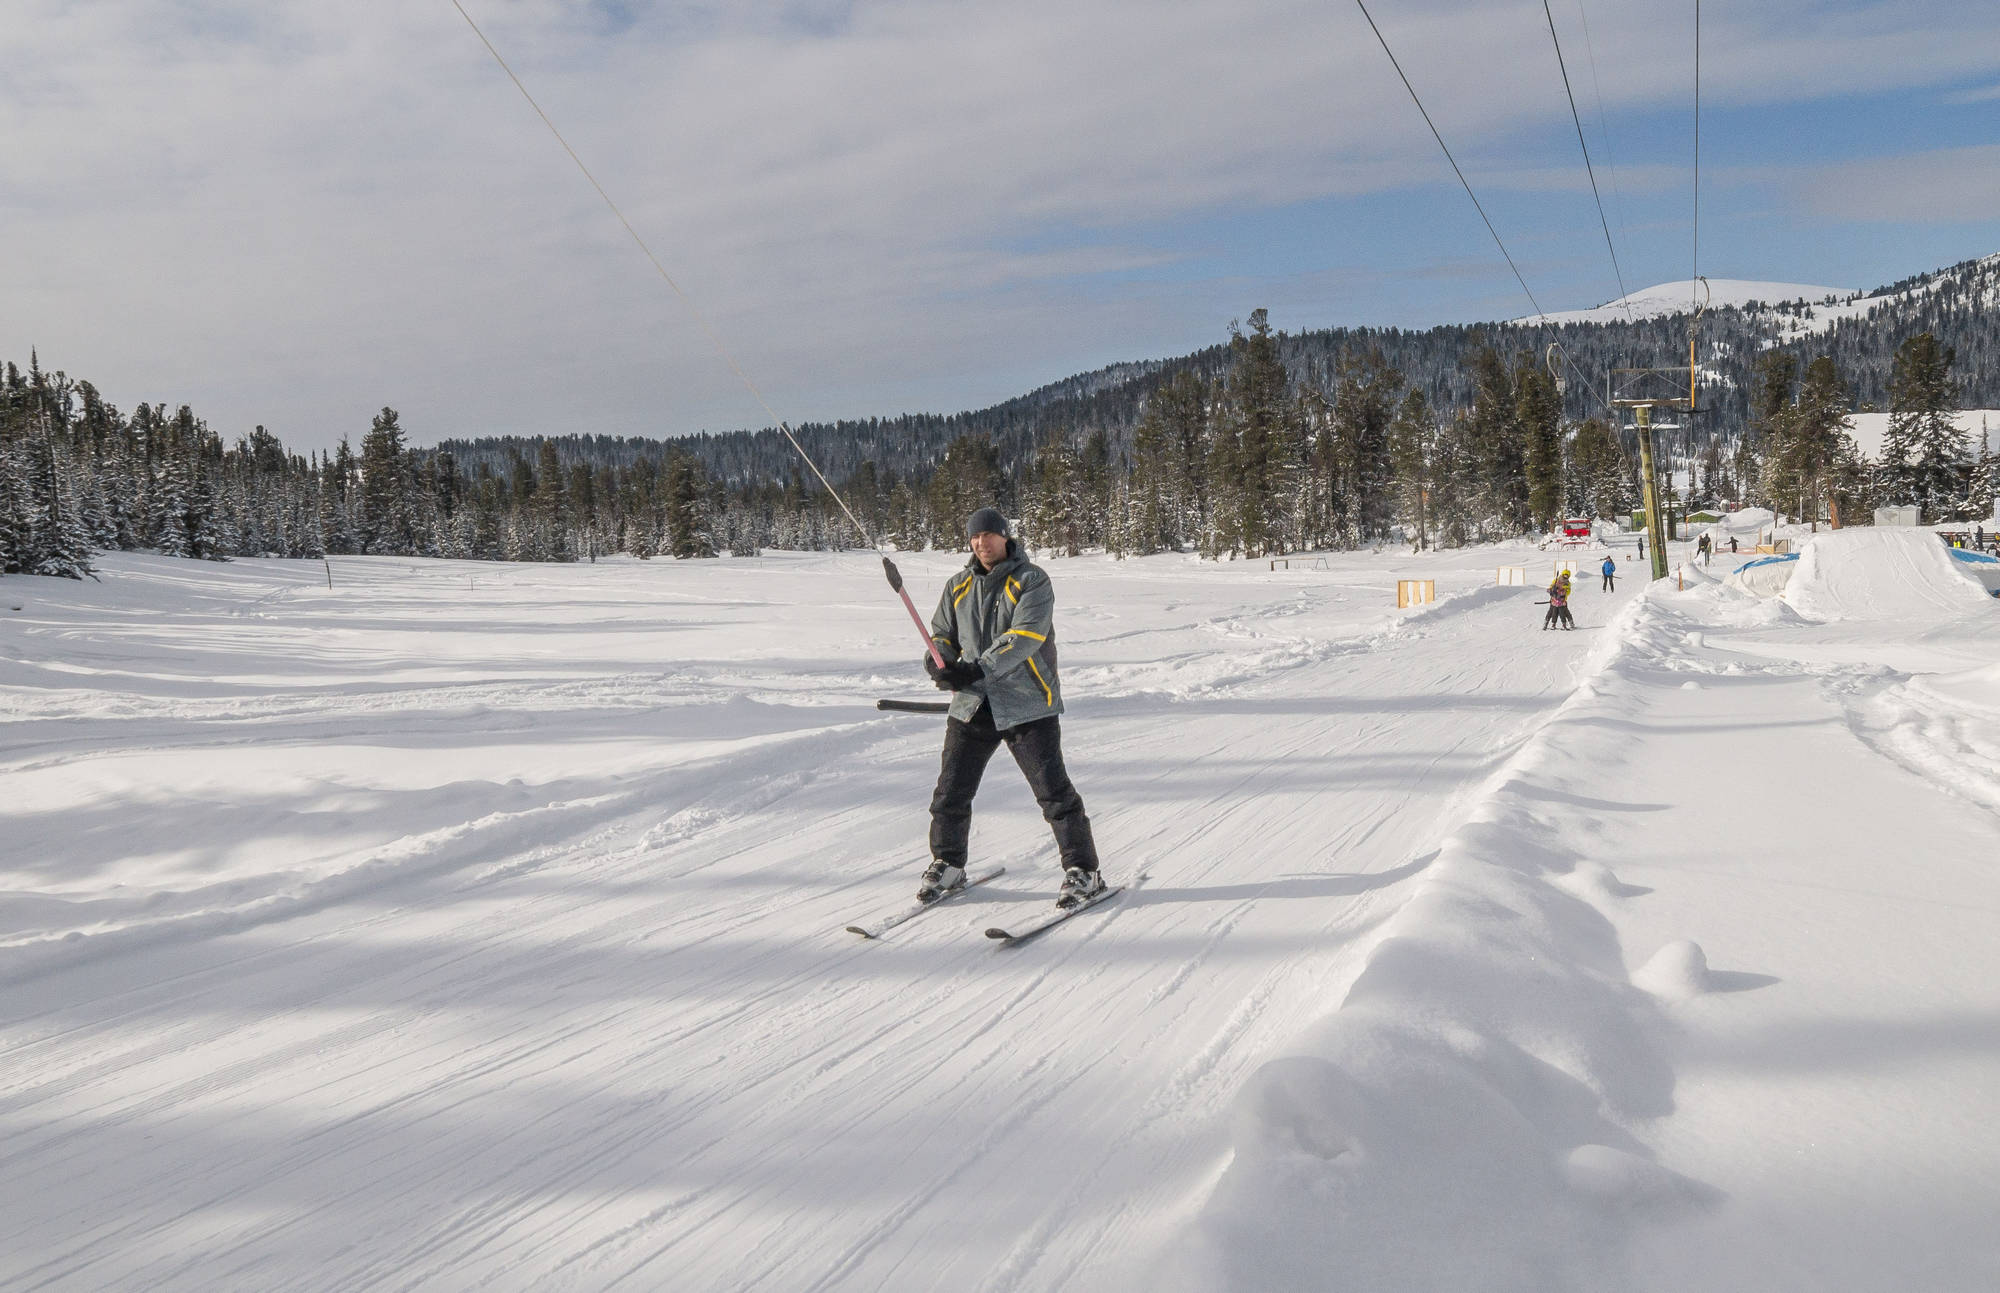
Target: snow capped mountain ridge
[[1805, 308], [1682, 296]]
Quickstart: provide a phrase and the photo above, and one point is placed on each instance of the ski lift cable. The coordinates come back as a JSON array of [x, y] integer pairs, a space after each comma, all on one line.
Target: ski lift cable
[[1696, 270], [888, 567], [1541, 315], [1603, 120], [1562, 66], [1383, 41]]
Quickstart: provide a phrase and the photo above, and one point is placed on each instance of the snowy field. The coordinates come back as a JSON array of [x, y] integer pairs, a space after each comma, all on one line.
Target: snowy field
[[473, 926]]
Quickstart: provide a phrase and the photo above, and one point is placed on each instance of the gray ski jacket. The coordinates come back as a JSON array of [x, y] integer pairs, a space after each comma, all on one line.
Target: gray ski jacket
[[1005, 619]]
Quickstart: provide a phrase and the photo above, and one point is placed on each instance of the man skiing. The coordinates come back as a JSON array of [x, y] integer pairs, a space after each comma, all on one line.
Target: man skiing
[[995, 628], [1610, 569]]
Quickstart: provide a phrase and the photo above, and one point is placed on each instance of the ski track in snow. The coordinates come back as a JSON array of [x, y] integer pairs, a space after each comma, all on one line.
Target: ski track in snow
[[633, 1047], [578, 1011]]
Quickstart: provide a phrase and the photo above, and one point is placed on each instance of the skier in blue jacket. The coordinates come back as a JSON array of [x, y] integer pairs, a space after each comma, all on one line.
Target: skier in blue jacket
[[995, 628]]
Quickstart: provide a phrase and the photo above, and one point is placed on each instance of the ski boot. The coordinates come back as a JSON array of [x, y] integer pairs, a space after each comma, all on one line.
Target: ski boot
[[1079, 886], [940, 878]]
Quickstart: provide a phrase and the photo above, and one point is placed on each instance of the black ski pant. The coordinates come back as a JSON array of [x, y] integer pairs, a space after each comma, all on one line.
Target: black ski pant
[[1607, 583], [1037, 749]]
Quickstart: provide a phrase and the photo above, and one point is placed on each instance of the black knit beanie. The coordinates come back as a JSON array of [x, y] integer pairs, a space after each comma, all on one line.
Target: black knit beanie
[[987, 520]]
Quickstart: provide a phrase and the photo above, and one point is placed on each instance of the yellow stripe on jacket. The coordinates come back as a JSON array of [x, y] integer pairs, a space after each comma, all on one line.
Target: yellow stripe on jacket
[[1047, 695]]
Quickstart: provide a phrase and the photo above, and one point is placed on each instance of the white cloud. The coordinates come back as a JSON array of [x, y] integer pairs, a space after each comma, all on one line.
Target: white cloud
[[1946, 185], [293, 213]]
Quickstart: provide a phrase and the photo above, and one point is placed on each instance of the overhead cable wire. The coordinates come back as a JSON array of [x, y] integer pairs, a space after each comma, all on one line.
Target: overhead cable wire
[[1541, 315], [1447, 156], [700, 319], [1603, 120], [1623, 295], [1697, 148], [889, 571]]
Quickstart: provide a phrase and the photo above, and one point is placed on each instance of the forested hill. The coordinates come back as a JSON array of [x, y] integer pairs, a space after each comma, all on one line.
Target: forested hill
[[1269, 443], [1959, 305]]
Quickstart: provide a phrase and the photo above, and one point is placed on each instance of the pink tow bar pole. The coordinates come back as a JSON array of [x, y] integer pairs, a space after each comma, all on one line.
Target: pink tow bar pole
[[896, 582]]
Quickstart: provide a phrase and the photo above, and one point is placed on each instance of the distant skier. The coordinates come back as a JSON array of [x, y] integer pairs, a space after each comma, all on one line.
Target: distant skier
[[1703, 549], [1642, 547], [1610, 570], [995, 627], [1559, 604], [1732, 545]]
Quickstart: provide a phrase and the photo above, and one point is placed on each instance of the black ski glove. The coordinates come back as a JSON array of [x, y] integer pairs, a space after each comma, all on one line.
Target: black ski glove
[[958, 675], [932, 667]]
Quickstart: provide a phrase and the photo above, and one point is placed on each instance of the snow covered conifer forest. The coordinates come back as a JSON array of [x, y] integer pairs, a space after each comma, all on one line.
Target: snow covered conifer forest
[[1265, 445]]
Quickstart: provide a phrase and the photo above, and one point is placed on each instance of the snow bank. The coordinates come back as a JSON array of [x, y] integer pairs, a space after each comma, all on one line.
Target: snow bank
[[1476, 1075], [1882, 574]]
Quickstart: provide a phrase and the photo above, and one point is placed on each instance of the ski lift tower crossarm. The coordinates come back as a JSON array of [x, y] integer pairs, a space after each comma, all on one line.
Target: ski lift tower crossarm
[[1642, 390]]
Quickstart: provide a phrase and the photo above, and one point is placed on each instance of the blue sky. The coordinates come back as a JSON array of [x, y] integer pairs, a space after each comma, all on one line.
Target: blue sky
[[294, 214]]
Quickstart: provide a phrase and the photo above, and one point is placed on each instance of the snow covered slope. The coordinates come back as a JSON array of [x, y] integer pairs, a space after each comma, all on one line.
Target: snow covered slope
[[1884, 574], [472, 926], [480, 927]]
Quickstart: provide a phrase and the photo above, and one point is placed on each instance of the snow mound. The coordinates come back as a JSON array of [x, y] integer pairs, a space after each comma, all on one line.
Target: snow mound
[[1882, 574], [1299, 1104], [1596, 880], [1614, 1176], [1764, 577], [1678, 971], [1981, 567]]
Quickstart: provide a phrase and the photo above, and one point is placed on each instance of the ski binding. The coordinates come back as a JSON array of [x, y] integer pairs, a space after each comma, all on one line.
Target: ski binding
[[916, 909]]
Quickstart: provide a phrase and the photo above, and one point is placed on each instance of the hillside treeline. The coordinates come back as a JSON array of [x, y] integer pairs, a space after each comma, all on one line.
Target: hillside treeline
[[1258, 447]]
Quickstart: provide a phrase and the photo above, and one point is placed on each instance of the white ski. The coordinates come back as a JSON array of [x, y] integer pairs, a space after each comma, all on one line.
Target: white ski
[[1011, 937], [916, 909]]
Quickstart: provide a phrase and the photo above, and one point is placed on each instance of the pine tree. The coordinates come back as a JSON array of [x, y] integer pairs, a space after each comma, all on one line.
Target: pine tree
[[1498, 444], [172, 533], [1602, 469], [1812, 454], [1258, 423], [1926, 459], [1170, 451], [1774, 376], [1538, 406], [16, 530], [1052, 522], [687, 508], [385, 522], [1412, 450], [62, 547], [1364, 409], [1456, 489], [968, 479]]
